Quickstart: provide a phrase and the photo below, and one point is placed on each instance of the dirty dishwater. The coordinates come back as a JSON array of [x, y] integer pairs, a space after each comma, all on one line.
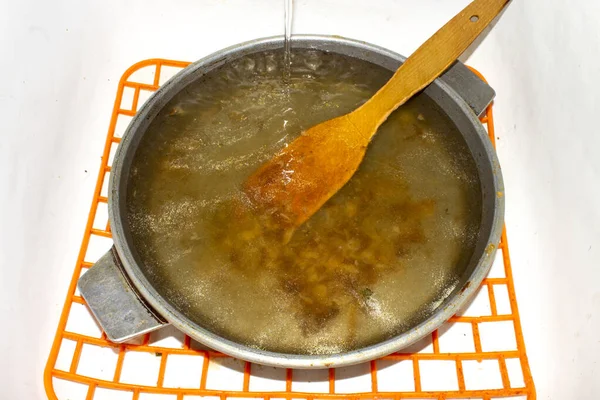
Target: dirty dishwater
[[381, 254]]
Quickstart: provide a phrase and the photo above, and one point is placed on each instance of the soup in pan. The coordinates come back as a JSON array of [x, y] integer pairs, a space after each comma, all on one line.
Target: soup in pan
[[378, 257]]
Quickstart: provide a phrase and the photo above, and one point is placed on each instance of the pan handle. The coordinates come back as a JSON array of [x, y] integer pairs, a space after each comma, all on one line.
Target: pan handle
[[475, 92], [115, 303]]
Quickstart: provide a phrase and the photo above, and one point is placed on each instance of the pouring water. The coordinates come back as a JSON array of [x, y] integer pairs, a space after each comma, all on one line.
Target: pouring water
[[288, 12]]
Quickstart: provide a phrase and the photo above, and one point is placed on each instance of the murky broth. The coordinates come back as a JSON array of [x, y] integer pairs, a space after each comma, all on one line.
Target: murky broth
[[379, 257]]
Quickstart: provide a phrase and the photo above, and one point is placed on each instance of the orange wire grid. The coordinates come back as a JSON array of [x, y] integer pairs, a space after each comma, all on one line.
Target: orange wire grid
[[478, 354]]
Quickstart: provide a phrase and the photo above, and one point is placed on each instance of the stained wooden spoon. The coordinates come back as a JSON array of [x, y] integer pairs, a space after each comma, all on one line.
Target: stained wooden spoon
[[295, 183]]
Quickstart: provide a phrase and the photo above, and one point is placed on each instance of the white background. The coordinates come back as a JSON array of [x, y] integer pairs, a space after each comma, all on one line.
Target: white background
[[60, 62]]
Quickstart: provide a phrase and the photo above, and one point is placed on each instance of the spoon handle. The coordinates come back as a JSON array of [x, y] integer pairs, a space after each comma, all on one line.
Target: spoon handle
[[428, 62]]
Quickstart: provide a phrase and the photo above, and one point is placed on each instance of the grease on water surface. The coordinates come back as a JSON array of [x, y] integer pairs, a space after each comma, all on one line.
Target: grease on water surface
[[377, 258]]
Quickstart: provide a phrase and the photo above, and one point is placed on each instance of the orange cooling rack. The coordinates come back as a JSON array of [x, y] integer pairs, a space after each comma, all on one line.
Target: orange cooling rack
[[478, 354]]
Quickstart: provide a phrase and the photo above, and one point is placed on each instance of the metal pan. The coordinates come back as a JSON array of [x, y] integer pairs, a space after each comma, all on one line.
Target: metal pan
[[126, 304]]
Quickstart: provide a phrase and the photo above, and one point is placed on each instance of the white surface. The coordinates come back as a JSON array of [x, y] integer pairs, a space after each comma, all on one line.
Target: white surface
[[60, 62]]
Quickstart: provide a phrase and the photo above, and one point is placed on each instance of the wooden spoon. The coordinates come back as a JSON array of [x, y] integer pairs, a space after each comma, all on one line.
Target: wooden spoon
[[295, 183]]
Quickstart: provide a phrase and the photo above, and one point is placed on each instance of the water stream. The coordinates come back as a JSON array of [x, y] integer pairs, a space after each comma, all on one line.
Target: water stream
[[288, 15]]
